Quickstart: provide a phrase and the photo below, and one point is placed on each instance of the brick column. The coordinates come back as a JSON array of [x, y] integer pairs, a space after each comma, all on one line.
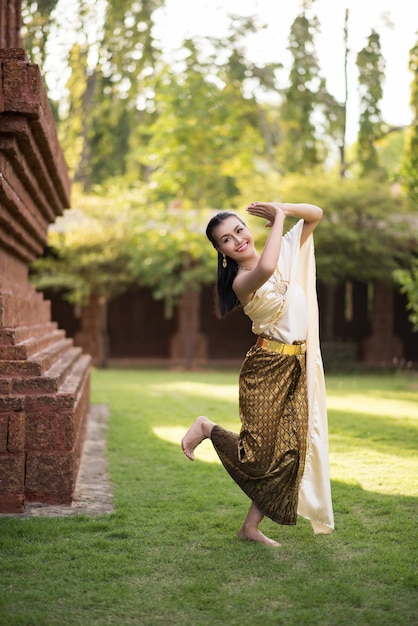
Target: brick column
[[44, 378], [93, 334], [10, 19], [382, 347], [188, 346]]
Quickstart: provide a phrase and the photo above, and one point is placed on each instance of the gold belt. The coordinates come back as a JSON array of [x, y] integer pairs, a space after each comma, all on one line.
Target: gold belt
[[280, 348]]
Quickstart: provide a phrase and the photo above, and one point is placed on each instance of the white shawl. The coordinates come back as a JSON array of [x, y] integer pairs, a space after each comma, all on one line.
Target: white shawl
[[314, 501]]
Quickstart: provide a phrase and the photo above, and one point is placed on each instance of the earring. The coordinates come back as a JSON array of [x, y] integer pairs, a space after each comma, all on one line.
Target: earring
[[224, 263]]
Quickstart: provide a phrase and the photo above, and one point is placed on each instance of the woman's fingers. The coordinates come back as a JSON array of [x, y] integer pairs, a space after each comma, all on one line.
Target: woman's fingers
[[261, 210]]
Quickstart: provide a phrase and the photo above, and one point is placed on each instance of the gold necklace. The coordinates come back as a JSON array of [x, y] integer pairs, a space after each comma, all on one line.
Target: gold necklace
[[242, 267]]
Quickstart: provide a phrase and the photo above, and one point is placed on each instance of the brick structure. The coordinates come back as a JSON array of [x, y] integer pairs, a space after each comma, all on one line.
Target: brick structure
[[188, 347], [44, 378], [383, 347], [10, 19]]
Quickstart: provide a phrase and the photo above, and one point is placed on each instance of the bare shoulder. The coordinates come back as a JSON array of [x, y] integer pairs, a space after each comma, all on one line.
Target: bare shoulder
[[241, 290]]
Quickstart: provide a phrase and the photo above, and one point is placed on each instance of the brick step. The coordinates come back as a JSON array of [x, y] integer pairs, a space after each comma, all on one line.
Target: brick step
[[55, 421], [38, 364], [73, 377], [51, 380], [70, 387], [22, 310], [15, 336], [30, 347]]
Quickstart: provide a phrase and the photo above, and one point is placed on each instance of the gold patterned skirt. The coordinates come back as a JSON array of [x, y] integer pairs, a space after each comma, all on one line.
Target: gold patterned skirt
[[266, 459]]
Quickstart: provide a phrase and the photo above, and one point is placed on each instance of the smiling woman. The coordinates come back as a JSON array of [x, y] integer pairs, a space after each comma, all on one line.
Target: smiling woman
[[280, 457]]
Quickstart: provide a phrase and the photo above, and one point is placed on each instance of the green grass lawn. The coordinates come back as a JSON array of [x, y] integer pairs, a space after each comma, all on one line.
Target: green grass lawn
[[169, 554]]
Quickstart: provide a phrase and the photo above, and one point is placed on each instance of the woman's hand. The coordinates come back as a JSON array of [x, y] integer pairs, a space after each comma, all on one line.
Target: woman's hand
[[267, 210]]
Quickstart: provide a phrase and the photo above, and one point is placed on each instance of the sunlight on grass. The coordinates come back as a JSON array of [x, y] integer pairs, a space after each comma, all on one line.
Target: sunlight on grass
[[204, 452], [362, 403], [174, 434], [223, 392], [169, 553], [377, 472]]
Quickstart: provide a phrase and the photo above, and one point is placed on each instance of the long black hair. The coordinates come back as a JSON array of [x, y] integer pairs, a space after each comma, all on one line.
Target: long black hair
[[225, 298]]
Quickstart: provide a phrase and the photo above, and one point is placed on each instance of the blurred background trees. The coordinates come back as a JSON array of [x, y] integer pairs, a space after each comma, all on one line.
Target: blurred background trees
[[154, 146]]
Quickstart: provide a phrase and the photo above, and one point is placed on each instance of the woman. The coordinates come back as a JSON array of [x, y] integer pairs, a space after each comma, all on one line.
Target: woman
[[280, 457]]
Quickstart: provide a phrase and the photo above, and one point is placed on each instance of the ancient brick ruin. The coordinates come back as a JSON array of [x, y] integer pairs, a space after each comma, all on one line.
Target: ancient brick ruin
[[44, 378]]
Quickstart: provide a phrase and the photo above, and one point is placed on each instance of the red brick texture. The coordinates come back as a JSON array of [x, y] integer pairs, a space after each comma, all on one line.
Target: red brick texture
[[382, 347], [44, 377], [10, 19]]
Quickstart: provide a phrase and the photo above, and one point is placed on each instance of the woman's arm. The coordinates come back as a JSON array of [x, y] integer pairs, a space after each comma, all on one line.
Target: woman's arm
[[310, 213], [246, 283]]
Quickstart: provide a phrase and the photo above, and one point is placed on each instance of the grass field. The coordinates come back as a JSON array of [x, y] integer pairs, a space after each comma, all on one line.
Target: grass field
[[169, 553]]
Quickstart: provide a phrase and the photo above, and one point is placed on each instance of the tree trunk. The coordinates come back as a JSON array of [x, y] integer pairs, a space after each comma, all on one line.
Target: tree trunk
[[93, 337], [188, 345], [329, 313]]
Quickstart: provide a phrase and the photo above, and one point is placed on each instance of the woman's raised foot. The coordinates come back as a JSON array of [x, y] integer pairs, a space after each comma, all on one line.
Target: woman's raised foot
[[198, 431]]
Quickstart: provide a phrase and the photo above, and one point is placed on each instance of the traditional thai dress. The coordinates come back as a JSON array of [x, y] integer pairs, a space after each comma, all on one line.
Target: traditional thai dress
[[280, 457]]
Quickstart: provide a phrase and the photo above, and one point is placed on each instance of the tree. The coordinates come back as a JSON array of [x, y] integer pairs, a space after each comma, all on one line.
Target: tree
[[114, 240], [157, 145], [307, 105], [251, 82], [408, 279], [371, 67], [111, 61], [87, 256], [203, 138], [410, 163], [38, 19], [342, 147]]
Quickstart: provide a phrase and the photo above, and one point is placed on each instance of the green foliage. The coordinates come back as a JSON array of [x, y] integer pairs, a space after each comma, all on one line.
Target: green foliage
[[115, 239], [169, 253], [38, 19], [201, 140], [408, 279], [365, 232], [73, 126], [121, 237], [362, 236], [410, 163], [306, 100], [157, 144], [111, 60], [87, 250], [371, 67], [390, 150]]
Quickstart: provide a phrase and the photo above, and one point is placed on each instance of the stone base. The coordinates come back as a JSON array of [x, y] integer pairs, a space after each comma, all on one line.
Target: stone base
[[44, 403], [188, 351], [382, 351]]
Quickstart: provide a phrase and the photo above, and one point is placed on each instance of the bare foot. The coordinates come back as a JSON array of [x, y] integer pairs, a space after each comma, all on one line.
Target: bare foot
[[198, 431], [253, 534]]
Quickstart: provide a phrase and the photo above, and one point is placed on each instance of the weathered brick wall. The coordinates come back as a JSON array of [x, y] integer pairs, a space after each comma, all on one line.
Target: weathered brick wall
[[44, 378], [10, 20], [383, 347]]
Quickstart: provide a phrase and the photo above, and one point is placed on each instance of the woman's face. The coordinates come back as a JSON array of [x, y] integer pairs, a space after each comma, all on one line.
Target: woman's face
[[234, 239]]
